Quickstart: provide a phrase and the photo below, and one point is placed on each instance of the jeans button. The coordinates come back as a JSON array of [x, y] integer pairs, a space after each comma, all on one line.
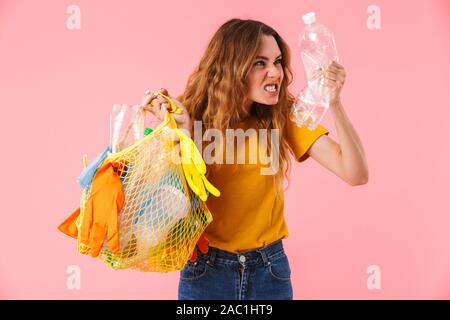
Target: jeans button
[[242, 259]]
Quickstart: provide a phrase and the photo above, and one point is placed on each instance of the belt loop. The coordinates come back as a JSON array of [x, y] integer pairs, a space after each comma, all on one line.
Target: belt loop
[[212, 256], [264, 257]]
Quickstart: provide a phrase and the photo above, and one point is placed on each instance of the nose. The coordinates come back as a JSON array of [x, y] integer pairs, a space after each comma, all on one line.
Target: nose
[[274, 72]]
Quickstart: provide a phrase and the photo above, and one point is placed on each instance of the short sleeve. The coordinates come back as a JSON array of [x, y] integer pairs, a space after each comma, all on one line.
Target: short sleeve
[[300, 139]]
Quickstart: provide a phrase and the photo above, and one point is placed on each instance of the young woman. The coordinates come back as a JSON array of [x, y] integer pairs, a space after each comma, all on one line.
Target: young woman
[[242, 82]]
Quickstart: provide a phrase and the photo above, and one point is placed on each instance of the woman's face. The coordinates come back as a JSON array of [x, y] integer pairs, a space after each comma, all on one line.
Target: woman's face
[[266, 75]]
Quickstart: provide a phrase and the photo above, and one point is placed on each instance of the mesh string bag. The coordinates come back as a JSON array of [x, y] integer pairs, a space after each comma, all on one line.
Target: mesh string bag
[[161, 218]]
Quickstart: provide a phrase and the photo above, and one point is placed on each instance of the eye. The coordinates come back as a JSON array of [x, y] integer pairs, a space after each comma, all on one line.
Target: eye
[[262, 63]]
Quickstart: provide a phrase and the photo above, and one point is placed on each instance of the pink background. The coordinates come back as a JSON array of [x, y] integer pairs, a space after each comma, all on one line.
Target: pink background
[[57, 87]]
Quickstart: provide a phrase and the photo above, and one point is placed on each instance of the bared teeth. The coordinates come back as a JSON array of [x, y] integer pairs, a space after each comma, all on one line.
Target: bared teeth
[[271, 88]]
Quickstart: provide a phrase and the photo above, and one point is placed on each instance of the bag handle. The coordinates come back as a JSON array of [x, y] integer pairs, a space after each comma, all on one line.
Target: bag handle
[[168, 118], [173, 108]]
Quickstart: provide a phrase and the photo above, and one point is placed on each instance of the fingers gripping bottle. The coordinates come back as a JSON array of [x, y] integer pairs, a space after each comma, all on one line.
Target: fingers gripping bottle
[[317, 48]]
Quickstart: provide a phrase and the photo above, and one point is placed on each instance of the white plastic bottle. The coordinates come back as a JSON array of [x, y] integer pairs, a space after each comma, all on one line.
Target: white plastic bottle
[[317, 48]]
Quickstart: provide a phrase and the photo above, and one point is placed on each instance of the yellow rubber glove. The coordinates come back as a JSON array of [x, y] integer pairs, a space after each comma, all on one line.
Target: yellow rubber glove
[[101, 213], [194, 168]]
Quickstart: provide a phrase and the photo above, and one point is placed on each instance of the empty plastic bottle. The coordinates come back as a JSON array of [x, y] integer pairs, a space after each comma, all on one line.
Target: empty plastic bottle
[[317, 48], [161, 208]]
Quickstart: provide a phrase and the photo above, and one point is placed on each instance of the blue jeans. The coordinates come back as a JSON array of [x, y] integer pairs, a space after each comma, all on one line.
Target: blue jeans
[[262, 274]]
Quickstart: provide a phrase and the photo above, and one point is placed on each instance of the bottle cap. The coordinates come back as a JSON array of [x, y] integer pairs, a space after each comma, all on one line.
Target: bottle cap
[[309, 17], [147, 131]]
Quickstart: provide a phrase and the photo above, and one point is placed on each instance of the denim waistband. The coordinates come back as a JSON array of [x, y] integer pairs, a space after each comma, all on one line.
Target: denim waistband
[[257, 256]]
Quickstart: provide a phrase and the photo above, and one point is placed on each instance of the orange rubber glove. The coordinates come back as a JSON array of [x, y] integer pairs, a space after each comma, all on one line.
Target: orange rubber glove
[[69, 226], [203, 245], [101, 214]]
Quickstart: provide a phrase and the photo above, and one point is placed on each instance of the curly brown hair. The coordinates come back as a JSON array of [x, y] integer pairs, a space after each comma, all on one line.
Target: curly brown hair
[[216, 91]]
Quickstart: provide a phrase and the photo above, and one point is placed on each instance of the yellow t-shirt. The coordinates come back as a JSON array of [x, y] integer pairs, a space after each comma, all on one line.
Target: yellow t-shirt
[[248, 215]]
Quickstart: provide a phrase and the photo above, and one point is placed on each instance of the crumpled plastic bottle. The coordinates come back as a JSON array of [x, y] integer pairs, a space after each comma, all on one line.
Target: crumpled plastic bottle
[[317, 48]]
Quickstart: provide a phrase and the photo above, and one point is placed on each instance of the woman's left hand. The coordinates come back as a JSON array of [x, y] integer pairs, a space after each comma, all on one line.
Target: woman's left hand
[[334, 78]]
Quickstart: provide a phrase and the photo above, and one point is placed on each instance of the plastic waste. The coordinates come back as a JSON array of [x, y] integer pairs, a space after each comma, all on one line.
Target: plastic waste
[[317, 48]]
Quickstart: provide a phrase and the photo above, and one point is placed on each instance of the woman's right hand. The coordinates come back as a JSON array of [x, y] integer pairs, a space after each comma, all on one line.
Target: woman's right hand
[[158, 105]]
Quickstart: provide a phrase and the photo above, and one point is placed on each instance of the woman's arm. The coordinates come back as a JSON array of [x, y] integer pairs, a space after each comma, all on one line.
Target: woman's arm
[[346, 158]]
